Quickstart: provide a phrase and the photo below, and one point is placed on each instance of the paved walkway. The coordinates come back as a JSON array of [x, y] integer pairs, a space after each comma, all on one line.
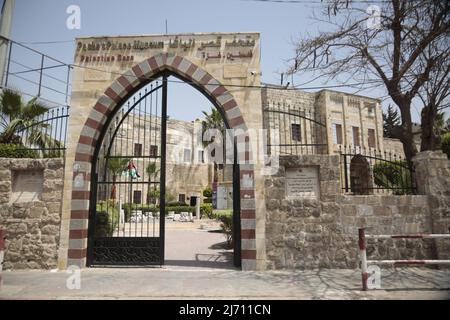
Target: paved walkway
[[172, 282], [198, 266]]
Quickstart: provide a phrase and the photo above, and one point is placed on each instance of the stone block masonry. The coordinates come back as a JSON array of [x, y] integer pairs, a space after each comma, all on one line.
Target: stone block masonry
[[30, 211], [305, 233], [433, 178]]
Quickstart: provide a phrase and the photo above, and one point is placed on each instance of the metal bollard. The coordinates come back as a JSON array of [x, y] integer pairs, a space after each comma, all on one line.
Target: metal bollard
[[363, 257]]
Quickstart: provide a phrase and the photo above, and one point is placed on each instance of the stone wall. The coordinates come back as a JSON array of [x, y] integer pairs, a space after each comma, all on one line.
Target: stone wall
[[31, 217], [310, 233], [295, 98], [433, 178]]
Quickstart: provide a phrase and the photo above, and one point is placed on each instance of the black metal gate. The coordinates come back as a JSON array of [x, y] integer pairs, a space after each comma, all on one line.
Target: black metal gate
[[127, 208]]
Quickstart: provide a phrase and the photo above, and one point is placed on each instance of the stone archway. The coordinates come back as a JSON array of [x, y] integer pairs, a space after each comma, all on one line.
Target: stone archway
[[125, 85]]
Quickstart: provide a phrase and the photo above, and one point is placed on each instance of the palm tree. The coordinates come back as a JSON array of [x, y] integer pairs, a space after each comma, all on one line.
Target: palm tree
[[213, 120], [16, 117], [116, 165], [152, 171], [440, 123]]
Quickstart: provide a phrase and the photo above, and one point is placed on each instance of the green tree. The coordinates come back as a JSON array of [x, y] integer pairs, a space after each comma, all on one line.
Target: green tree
[[17, 116], [391, 123], [226, 219], [152, 172], [445, 144], [153, 196], [393, 175], [213, 120], [115, 166], [440, 124]]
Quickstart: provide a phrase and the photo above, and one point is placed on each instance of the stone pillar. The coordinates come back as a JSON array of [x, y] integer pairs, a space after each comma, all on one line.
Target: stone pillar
[[432, 173]]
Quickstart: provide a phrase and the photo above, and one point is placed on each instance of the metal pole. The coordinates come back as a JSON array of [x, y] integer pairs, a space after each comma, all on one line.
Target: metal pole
[[363, 257], [7, 65], [407, 262], [67, 85], [5, 31], [130, 198], [162, 186], [40, 76]]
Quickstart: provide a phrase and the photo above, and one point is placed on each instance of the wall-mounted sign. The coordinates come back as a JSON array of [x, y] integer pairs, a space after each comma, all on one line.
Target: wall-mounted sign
[[302, 182], [27, 186], [216, 48]]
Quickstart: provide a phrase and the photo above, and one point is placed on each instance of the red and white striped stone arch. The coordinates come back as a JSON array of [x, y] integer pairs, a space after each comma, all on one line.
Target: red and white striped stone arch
[[111, 99]]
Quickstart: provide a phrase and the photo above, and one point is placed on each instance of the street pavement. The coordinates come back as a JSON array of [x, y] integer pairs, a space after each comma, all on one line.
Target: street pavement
[[175, 282], [199, 266]]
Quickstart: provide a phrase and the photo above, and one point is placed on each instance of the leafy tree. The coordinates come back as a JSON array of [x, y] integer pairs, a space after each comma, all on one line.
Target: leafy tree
[[18, 117], [226, 219], [152, 172], [115, 166], [214, 120], [154, 194], [393, 175], [207, 192], [439, 124], [391, 123]]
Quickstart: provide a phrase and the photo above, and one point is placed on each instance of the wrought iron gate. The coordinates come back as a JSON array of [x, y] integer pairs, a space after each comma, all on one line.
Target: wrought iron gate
[[127, 207]]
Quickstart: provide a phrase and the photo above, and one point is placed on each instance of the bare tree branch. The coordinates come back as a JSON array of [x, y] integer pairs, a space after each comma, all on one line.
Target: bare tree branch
[[395, 53]]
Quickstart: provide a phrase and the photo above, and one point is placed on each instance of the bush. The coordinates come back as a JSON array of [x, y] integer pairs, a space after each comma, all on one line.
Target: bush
[[207, 200], [169, 197], [445, 144], [16, 151], [393, 175], [106, 218], [127, 210], [176, 204], [147, 208], [178, 209], [207, 193], [206, 210], [226, 219], [153, 196], [127, 207]]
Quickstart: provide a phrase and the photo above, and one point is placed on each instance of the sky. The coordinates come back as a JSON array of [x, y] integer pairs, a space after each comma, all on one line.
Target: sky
[[279, 24]]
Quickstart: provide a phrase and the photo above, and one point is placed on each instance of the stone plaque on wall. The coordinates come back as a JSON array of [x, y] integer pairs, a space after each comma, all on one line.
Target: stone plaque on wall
[[302, 182], [27, 186]]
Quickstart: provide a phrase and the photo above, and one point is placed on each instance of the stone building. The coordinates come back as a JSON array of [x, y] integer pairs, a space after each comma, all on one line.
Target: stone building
[[300, 216], [322, 121], [306, 123], [188, 169]]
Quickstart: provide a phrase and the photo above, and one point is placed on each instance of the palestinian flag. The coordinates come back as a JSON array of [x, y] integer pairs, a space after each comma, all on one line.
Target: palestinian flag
[[131, 170]]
